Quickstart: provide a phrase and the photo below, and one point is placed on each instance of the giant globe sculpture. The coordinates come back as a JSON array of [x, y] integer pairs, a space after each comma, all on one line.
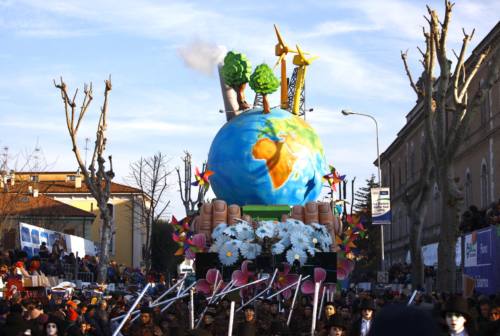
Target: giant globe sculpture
[[267, 158]]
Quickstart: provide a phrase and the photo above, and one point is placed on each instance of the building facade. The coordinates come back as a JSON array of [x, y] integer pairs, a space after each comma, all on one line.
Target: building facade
[[476, 166], [68, 188]]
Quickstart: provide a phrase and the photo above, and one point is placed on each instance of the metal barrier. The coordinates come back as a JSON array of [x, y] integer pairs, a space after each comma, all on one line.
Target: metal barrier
[[69, 270], [86, 276]]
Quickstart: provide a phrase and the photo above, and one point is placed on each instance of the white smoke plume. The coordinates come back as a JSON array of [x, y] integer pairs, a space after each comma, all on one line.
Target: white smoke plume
[[202, 56]]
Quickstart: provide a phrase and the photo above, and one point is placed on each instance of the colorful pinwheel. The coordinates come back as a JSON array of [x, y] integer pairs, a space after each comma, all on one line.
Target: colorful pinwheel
[[346, 242], [333, 178], [202, 178], [344, 268], [189, 243]]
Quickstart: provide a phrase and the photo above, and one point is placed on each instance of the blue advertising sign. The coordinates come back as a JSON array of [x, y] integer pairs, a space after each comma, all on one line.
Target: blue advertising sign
[[381, 206], [481, 262]]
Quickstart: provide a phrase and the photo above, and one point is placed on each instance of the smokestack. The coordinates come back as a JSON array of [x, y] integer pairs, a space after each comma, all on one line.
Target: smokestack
[[78, 181], [229, 96]]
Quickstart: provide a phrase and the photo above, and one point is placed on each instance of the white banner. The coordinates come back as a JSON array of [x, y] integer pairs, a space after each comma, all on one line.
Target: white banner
[[381, 206], [32, 236]]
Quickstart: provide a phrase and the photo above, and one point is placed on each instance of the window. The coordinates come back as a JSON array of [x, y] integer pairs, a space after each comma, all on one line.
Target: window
[[34, 178], [71, 177], [485, 182], [468, 189]]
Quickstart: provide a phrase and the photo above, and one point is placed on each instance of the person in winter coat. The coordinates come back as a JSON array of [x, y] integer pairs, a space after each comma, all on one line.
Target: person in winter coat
[[145, 325], [15, 324]]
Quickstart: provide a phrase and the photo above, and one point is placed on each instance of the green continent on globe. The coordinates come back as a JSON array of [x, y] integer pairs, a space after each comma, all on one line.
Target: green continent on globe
[[274, 158]]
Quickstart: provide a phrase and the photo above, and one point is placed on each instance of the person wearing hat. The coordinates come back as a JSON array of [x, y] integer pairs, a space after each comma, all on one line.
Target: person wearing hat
[[329, 313], [36, 318], [53, 328], [71, 313], [362, 326], [336, 326], [249, 326], [458, 318]]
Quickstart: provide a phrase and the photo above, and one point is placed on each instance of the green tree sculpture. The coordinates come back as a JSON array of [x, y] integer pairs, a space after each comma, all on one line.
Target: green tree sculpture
[[264, 81], [236, 73]]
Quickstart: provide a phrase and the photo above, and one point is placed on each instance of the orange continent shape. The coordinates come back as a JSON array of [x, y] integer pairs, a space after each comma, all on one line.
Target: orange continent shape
[[279, 159]]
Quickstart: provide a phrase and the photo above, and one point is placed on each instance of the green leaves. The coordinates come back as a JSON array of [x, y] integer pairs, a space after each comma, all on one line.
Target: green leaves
[[236, 69], [263, 80]]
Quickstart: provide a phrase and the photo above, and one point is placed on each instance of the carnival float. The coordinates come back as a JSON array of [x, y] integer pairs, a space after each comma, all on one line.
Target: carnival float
[[266, 234]]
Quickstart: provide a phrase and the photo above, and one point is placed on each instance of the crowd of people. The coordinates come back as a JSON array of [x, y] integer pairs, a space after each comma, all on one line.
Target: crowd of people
[[474, 218], [65, 265], [350, 313]]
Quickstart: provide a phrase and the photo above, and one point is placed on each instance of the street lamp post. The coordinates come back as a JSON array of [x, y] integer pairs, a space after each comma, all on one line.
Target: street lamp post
[[382, 254]]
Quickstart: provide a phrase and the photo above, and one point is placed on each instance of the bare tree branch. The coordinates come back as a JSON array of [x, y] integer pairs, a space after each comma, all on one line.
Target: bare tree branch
[[404, 57]]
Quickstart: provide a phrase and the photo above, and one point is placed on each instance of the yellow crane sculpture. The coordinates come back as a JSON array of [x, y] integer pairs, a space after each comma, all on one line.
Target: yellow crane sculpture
[[301, 62], [281, 50]]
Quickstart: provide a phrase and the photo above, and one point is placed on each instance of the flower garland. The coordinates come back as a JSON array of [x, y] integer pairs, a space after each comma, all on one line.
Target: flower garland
[[293, 238]]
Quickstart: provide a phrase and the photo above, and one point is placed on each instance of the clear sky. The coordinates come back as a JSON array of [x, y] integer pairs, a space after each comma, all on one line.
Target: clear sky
[[160, 103]]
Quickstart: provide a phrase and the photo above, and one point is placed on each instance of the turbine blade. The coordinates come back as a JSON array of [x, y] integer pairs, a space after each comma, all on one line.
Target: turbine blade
[[299, 51], [280, 39], [279, 60], [310, 60]]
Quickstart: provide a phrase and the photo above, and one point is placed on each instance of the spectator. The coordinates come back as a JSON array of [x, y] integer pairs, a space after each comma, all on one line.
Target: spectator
[[44, 251]]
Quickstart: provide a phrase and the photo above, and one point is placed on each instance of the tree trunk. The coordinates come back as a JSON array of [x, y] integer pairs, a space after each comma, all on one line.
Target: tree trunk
[[147, 248], [265, 102], [243, 105], [417, 263], [102, 272], [448, 235]]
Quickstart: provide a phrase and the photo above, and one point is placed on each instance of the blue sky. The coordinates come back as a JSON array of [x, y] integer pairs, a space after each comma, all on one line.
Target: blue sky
[[159, 103]]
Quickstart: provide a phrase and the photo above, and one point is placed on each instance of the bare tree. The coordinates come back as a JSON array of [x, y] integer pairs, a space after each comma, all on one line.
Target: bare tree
[[13, 188], [416, 201], [150, 175], [447, 109], [186, 186], [96, 177]]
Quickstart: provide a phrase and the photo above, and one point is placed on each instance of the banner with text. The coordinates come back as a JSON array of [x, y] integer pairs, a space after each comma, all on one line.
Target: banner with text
[[381, 206], [481, 262]]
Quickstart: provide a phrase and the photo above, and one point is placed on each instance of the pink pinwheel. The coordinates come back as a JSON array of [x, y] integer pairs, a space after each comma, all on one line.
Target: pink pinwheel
[[308, 285], [285, 279], [208, 284], [344, 268]]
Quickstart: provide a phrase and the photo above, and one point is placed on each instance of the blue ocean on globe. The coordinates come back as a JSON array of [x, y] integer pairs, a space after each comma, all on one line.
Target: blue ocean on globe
[[267, 159]]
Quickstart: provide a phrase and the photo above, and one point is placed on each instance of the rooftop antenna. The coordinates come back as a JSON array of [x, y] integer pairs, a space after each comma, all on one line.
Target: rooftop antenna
[[36, 158], [5, 158]]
